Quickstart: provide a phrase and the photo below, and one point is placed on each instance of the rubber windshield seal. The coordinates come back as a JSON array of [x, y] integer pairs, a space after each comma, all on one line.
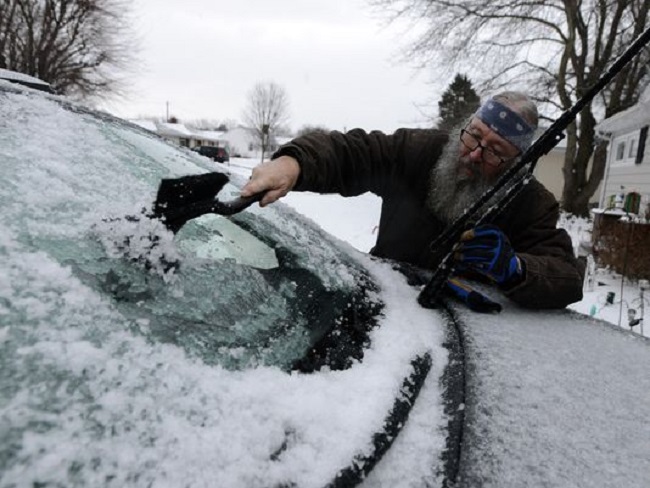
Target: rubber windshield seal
[[361, 466]]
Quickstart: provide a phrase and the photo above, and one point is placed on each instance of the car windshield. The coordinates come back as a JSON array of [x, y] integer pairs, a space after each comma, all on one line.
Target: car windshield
[[235, 295], [130, 356]]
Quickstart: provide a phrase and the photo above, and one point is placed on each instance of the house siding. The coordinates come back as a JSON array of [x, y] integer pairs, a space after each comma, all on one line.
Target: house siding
[[627, 177], [620, 243], [549, 172]]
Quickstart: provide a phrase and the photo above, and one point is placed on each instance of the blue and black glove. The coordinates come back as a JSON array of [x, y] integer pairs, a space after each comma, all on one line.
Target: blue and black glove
[[487, 251]]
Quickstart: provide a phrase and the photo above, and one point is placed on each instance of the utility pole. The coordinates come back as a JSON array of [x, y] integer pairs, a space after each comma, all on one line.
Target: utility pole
[[167, 113]]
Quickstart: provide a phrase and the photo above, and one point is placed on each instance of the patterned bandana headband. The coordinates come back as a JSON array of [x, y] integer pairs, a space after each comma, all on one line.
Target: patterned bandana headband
[[507, 123]]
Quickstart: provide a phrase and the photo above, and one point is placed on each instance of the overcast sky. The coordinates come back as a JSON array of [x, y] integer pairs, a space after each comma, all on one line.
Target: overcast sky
[[336, 59]]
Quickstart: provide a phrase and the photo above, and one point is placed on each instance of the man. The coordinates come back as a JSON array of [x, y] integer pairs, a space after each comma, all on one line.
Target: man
[[426, 178]]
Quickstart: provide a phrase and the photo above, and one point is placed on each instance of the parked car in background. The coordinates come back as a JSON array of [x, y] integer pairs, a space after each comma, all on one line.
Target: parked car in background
[[259, 351], [218, 154]]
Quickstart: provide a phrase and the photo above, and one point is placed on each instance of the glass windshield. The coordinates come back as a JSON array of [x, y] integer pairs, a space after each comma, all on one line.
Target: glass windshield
[[237, 292], [217, 238], [121, 343]]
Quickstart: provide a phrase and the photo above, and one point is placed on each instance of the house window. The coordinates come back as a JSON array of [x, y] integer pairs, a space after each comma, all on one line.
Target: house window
[[625, 148], [632, 148]]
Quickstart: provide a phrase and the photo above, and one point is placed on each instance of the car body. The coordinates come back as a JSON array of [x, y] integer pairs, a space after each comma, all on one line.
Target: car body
[[247, 351], [257, 350], [553, 399], [218, 154], [25, 80]]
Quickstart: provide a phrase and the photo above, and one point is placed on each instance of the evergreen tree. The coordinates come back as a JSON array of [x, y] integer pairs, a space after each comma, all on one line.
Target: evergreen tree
[[458, 102]]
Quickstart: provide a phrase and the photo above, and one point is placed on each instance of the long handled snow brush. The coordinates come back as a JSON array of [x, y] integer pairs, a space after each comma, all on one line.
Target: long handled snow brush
[[514, 180], [188, 197]]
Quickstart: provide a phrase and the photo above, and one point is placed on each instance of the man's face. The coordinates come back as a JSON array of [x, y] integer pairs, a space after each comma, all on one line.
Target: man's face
[[490, 156], [462, 175]]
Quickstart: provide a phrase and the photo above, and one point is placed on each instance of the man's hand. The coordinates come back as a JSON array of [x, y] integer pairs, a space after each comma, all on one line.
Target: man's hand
[[276, 178], [487, 250]]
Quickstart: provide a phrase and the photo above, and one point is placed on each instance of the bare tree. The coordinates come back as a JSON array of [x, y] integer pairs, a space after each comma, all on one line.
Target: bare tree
[[554, 49], [266, 113], [81, 47]]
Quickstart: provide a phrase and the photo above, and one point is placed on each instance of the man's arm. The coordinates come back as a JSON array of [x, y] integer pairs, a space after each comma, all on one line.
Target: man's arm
[[349, 164]]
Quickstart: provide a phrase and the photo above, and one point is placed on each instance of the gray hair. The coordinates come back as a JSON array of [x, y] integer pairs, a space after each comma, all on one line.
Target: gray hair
[[520, 103]]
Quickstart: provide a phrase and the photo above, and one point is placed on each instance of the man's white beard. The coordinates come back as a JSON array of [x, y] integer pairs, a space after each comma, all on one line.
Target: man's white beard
[[455, 183]]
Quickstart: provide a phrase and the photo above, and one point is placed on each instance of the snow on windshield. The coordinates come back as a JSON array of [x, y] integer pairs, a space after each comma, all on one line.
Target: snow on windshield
[[138, 413], [89, 402]]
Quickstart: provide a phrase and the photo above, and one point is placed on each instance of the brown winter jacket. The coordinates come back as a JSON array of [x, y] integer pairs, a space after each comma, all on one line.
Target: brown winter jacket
[[396, 167]]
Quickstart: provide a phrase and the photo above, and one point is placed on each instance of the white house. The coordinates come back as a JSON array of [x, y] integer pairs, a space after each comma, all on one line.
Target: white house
[[176, 133], [241, 142], [213, 138], [182, 135], [549, 169], [620, 243], [244, 144], [628, 155]]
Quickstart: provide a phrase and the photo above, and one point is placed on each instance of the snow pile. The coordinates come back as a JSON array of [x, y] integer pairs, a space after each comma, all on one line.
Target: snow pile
[[140, 239]]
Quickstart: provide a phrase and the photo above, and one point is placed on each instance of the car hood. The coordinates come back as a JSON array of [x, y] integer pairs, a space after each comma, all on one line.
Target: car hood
[[553, 399]]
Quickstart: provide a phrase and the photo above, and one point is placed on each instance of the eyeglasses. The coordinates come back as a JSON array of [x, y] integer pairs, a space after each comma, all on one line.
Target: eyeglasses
[[471, 142]]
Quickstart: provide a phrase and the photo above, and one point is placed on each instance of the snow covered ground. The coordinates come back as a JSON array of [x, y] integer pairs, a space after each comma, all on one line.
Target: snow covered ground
[[355, 220]]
